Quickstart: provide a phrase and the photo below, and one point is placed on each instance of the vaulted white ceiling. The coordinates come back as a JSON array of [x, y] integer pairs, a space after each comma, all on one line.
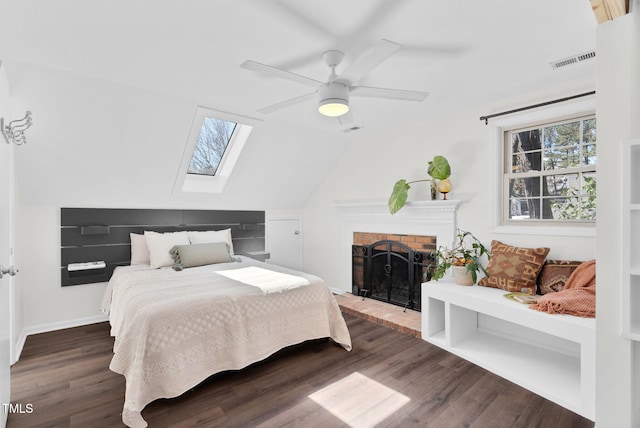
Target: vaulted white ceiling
[[136, 54]]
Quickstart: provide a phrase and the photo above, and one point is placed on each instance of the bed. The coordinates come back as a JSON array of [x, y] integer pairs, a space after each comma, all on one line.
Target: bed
[[175, 328]]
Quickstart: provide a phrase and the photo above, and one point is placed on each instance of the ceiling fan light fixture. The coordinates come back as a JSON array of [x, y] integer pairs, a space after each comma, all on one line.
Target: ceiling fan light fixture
[[334, 99], [333, 108]]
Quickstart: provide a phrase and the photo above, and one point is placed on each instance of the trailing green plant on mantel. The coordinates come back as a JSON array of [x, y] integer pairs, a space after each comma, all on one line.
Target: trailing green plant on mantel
[[467, 251], [438, 169]]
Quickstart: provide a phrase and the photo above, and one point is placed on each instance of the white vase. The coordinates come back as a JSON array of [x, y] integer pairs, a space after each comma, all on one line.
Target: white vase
[[461, 275]]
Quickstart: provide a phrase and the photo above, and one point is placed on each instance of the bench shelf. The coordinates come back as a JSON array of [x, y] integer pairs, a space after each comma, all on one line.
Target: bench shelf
[[551, 355]]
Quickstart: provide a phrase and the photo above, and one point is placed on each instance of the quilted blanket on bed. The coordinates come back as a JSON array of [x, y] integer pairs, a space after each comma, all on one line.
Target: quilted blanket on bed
[[174, 329]]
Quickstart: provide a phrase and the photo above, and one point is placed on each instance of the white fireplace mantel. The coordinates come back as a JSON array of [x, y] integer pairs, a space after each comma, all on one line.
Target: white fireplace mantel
[[418, 211], [429, 218]]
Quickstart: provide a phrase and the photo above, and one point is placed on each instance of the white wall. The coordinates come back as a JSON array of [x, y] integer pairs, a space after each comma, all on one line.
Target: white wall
[[374, 163], [47, 305], [617, 114]]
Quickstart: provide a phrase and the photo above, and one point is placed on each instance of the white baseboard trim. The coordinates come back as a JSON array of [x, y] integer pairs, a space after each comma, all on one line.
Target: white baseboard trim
[[18, 348], [60, 325]]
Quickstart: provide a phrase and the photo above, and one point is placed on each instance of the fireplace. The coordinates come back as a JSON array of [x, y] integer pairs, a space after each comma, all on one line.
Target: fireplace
[[391, 269], [419, 225]]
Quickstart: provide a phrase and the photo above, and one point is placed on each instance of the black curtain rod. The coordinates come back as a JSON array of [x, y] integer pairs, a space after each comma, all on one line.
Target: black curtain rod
[[489, 116]]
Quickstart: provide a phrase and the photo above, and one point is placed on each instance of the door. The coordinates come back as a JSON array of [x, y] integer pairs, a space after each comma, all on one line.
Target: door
[[6, 195], [284, 243]]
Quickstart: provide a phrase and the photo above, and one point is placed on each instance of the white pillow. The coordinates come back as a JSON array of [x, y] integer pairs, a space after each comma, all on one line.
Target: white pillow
[[139, 249], [160, 244], [210, 236]]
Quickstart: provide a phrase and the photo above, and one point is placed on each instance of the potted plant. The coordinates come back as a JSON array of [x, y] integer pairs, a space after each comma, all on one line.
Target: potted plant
[[465, 256], [438, 169]]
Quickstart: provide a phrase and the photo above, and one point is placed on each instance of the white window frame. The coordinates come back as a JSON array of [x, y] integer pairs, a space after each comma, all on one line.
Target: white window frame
[[552, 113], [196, 183]]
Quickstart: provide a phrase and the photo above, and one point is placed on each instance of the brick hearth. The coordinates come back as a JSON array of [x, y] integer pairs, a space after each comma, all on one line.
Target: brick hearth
[[386, 314]]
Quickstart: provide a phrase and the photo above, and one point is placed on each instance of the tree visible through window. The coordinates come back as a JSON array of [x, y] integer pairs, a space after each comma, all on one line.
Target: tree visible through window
[[551, 171], [213, 140]]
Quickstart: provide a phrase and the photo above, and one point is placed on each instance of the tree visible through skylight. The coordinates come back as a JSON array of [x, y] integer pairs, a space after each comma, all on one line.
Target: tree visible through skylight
[[213, 140]]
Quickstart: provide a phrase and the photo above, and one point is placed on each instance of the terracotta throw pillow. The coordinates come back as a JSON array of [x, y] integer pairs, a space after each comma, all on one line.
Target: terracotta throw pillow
[[514, 268], [555, 274]]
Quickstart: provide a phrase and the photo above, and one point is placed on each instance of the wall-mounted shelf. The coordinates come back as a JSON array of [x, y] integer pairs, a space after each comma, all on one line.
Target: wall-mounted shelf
[[79, 267], [259, 255], [83, 272]]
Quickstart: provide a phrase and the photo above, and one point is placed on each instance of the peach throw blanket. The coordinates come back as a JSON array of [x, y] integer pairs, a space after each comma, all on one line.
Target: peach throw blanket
[[578, 296]]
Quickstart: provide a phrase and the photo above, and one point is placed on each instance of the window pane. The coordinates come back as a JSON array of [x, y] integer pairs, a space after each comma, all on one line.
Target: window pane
[[565, 157], [524, 209], [566, 134], [565, 208], [589, 183], [562, 184], [524, 187], [589, 130], [213, 140], [524, 162], [526, 149], [589, 154], [516, 208], [588, 200]]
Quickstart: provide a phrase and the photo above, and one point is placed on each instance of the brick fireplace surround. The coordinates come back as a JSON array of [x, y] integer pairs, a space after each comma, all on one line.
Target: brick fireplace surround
[[415, 242]]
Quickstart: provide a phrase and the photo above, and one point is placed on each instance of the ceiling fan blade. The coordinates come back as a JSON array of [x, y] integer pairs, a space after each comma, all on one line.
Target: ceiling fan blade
[[278, 72], [376, 56], [287, 103], [392, 94]]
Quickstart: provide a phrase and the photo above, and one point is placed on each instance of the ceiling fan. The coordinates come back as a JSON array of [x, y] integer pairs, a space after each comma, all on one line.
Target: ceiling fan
[[333, 95]]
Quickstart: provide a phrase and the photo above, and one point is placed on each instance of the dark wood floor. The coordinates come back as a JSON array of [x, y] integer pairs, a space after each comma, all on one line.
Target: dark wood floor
[[390, 379]]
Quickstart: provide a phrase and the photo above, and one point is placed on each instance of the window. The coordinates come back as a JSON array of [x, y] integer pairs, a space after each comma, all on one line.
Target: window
[[215, 135], [212, 150], [550, 172]]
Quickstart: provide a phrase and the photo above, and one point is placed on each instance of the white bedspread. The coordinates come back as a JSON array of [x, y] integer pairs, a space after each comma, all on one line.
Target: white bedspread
[[174, 329]]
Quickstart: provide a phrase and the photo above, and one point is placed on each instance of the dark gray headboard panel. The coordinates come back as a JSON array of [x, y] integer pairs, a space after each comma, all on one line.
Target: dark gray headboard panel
[[99, 234]]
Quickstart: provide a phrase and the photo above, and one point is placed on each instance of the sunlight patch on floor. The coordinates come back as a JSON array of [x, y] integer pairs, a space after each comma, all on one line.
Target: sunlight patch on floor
[[359, 401]]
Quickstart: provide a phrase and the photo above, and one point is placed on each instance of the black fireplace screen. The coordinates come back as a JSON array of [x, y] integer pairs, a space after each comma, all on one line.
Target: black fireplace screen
[[390, 271]]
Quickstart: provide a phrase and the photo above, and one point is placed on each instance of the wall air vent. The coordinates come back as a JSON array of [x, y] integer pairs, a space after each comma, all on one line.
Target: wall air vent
[[572, 60]]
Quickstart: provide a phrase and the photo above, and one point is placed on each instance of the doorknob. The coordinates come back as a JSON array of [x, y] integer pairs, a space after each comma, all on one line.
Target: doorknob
[[11, 270]]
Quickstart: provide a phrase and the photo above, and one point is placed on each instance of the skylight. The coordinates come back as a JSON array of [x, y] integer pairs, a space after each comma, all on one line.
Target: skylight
[[215, 135], [212, 150]]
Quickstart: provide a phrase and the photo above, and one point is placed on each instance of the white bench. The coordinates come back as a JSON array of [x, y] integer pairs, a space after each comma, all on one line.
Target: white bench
[[551, 355]]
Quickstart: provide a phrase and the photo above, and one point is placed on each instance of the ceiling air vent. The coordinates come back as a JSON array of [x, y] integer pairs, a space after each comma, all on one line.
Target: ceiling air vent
[[572, 60]]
